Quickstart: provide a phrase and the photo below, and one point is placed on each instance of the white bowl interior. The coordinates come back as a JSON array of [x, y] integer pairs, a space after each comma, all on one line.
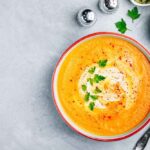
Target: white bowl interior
[[138, 4], [76, 127]]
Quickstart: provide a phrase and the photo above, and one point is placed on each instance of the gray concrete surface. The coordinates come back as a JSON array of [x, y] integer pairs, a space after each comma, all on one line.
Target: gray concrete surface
[[33, 34]]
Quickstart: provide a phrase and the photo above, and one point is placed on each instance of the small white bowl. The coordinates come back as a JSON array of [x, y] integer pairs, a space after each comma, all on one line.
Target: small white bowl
[[138, 4]]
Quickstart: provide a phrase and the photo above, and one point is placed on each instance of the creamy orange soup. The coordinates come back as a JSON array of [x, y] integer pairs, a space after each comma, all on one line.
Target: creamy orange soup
[[104, 86]]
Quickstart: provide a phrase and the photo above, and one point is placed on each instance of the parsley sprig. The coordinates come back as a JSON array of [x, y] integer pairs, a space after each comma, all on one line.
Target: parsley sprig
[[94, 97], [92, 70], [97, 90], [90, 80], [84, 87], [102, 63], [134, 14], [91, 105], [87, 96], [122, 26], [98, 78]]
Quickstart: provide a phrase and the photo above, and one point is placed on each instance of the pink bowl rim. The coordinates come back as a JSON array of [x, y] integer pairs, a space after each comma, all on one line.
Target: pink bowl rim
[[54, 98]]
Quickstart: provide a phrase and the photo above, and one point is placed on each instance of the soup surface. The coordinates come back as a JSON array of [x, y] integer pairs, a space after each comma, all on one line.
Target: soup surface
[[104, 85]]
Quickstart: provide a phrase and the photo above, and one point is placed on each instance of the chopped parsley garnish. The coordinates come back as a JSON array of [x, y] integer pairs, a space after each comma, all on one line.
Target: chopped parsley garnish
[[92, 70], [84, 87], [133, 13], [97, 90], [94, 97], [90, 80], [102, 63], [121, 25], [98, 78], [91, 105], [87, 96]]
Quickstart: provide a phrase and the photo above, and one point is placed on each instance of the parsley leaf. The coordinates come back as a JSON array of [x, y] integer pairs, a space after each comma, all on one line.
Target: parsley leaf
[[94, 97], [121, 25], [97, 90], [87, 96], [102, 63], [91, 105], [133, 13], [98, 78], [84, 87], [90, 80], [92, 70]]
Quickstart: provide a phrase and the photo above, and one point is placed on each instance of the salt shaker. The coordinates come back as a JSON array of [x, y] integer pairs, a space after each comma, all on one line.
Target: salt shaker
[[108, 6], [86, 17]]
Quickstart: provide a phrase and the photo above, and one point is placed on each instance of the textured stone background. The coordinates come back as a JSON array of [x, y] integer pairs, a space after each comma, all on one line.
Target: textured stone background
[[33, 34]]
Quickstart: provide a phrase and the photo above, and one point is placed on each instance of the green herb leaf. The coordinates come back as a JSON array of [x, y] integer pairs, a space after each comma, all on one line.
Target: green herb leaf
[[94, 97], [87, 96], [102, 63], [92, 70], [91, 105], [84, 87], [133, 13], [97, 90], [98, 78], [121, 25], [90, 80]]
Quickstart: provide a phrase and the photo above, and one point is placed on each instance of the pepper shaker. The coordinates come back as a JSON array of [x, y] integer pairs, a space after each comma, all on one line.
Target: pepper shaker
[[86, 17], [108, 6]]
